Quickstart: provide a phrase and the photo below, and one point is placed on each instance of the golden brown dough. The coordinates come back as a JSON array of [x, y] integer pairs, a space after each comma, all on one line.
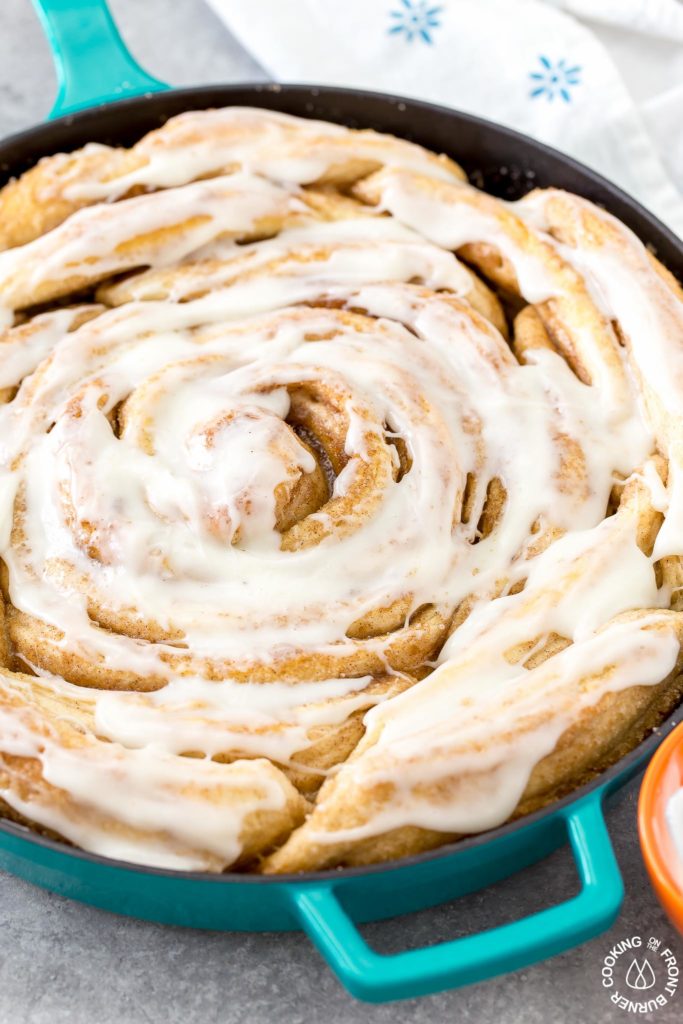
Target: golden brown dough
[[339, 500], [66, 730]]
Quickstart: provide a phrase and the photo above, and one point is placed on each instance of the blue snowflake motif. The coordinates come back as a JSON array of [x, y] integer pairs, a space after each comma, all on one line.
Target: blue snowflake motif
[[554, 80], [415, 20]]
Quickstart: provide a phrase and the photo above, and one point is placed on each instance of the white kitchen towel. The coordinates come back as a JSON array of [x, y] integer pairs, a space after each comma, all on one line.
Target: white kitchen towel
[[600, 79]]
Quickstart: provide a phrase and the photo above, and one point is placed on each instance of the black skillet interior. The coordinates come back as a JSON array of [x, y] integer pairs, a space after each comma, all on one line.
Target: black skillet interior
[[497, 159]]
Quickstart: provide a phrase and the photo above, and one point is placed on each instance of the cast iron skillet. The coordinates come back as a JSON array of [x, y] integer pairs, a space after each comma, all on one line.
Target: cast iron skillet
[[326, 904]]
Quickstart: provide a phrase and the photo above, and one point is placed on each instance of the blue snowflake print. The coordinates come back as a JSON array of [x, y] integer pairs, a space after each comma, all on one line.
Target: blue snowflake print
[[415, 20], [554, 80]]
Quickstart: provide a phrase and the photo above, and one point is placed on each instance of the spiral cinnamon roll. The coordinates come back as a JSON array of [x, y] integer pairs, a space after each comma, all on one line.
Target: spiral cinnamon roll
[[338, 499]]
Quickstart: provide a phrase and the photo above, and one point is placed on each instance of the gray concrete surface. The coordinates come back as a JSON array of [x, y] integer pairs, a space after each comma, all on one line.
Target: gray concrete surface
[[61, 962]]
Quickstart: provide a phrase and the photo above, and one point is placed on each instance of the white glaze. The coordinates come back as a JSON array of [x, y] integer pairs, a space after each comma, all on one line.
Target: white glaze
[[186, 495], [674, 820], [187, 812], [277, 146], [486, 720]]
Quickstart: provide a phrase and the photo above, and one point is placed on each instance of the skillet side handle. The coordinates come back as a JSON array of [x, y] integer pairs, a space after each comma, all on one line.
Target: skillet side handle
[[92, 62], [375, 977]]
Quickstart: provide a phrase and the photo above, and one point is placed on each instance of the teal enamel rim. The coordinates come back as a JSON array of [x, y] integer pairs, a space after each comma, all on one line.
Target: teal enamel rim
[[92, 62], [94, 68]]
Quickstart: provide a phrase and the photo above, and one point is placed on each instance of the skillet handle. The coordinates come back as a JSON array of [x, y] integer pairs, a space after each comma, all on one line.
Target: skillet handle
[[375, 977], [92, 62]]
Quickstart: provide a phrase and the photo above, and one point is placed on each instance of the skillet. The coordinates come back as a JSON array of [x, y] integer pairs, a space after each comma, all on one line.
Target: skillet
[[104, 96]]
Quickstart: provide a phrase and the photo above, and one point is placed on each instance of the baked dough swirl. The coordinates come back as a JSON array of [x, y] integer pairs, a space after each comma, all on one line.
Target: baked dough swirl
[[339, 501]]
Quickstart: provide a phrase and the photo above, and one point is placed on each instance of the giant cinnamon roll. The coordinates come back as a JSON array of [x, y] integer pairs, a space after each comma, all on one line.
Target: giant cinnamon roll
[[340, 502]]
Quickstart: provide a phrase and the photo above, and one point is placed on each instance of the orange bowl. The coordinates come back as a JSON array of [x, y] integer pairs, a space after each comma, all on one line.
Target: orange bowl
[[664, 863]]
